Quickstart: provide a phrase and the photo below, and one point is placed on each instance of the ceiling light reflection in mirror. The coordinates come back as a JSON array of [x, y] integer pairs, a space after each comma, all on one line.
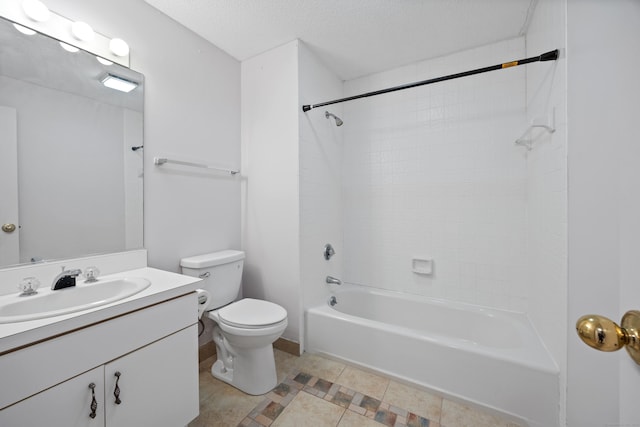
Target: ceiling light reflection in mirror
[[24, 30]]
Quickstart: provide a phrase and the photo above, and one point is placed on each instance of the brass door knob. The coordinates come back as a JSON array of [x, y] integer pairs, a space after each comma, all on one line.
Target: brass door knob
[[8, 228], [605, 335]]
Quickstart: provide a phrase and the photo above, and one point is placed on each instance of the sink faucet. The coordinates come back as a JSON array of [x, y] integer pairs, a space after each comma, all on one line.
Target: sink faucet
[[66, 279]]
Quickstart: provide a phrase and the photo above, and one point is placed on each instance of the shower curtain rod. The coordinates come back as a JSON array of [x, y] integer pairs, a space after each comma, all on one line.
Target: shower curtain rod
[[548, 56]]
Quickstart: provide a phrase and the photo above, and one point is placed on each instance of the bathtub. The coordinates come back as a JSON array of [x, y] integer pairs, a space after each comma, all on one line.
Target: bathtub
[[488, 357]]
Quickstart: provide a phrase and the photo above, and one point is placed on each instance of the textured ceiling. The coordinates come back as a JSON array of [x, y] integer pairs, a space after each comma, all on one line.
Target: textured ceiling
[[352, 37]]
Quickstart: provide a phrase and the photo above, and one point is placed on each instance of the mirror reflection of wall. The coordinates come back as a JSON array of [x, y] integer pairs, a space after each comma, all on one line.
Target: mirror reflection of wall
[[79, 183]]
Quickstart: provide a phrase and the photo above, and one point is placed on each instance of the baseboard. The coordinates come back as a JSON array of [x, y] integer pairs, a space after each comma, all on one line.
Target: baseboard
[[208, 349], [287, 346]]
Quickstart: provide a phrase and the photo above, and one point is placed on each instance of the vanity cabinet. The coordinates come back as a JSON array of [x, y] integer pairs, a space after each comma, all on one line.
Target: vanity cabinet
[[155, 357]]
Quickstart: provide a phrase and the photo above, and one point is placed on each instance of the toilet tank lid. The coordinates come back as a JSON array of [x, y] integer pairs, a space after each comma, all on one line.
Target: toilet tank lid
[[212, 259]]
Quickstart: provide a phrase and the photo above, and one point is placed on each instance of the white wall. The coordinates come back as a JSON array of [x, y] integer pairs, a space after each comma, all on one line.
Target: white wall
[[79, 190], [433, 172], [547, 185], [603, 110], [270, 174], [192, 112], [321, 148]]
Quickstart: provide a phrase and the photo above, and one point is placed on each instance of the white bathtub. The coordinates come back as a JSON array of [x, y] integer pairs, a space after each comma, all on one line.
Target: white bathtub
[[489, 357]]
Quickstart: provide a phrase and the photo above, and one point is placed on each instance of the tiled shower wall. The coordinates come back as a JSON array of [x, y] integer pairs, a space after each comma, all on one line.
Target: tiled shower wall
[[433, 173], [547, 185]]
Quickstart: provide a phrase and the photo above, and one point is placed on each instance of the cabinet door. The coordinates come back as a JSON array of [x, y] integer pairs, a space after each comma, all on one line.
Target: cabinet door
[[158, 383], [66, 405]]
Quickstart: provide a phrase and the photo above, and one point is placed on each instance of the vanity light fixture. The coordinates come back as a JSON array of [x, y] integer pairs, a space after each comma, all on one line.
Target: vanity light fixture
[[36, 10], [119, 47], [24, 30], [119, 83], [34, 15], [82, 31], [69, 48], [103, 61]]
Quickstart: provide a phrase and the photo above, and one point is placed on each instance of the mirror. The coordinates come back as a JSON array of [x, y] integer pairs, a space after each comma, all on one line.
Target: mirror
[[71, 175]]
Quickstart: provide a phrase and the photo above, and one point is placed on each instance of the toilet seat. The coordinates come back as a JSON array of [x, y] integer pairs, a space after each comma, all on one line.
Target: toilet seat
[[249, 313]]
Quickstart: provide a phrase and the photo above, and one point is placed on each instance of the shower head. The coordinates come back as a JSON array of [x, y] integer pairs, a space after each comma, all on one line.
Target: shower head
[[338, 120]]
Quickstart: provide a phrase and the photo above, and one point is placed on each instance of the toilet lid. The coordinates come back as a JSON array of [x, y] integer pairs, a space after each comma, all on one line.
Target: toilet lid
[[251, 312]]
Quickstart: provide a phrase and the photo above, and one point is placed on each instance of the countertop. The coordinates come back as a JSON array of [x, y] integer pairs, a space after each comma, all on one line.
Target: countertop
[[164, 286]]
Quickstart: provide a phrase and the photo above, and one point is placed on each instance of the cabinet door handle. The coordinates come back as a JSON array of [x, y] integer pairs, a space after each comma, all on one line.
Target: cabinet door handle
[[116, 391], [94, 402]]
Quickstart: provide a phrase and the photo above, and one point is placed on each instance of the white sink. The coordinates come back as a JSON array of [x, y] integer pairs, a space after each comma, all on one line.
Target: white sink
[[83, 296]]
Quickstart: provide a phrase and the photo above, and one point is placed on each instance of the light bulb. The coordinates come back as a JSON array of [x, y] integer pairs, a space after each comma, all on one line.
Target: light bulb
[[119, 47], [36, 10], [82, 31], [104, 61], [24, 30], [69, 48]]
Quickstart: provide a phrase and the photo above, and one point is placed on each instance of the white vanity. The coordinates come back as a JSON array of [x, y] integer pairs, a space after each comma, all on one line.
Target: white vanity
[[135, 360]]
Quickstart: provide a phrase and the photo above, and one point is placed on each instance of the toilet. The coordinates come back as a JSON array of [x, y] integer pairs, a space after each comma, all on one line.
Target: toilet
[[245, 330]]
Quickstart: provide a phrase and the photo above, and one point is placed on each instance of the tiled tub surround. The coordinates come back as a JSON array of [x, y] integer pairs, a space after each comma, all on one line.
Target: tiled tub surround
[[490, 357], [434, 172], [317, 391]]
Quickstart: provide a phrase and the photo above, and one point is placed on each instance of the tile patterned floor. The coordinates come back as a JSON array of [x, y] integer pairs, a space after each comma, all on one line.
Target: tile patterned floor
[[287, 391], [316, 391]]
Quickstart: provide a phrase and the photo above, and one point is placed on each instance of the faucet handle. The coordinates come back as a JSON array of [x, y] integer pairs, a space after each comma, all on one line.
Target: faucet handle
[[28, 286], [328, 251], [91, 274]]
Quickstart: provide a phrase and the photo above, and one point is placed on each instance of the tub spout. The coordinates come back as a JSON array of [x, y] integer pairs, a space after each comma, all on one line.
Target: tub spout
[[333, 280]]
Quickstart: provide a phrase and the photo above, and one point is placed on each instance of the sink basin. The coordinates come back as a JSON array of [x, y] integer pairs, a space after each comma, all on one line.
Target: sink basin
[[81, 297]]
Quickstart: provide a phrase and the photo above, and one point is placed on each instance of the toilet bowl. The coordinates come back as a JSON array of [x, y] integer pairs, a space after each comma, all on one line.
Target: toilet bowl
[[244, 344], [245, 329]]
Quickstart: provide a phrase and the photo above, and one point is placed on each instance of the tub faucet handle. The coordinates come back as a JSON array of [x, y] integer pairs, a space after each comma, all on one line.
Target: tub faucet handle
[[328, 251]]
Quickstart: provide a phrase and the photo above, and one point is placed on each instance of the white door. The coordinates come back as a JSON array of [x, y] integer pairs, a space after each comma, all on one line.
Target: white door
[[604, 203], [9, 232]]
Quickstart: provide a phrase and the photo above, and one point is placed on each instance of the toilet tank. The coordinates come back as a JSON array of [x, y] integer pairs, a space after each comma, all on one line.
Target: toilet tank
[[221, 274]]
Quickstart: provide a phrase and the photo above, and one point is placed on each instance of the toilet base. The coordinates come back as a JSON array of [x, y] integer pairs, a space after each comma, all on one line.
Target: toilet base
[[253, 372], [220, 372]]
